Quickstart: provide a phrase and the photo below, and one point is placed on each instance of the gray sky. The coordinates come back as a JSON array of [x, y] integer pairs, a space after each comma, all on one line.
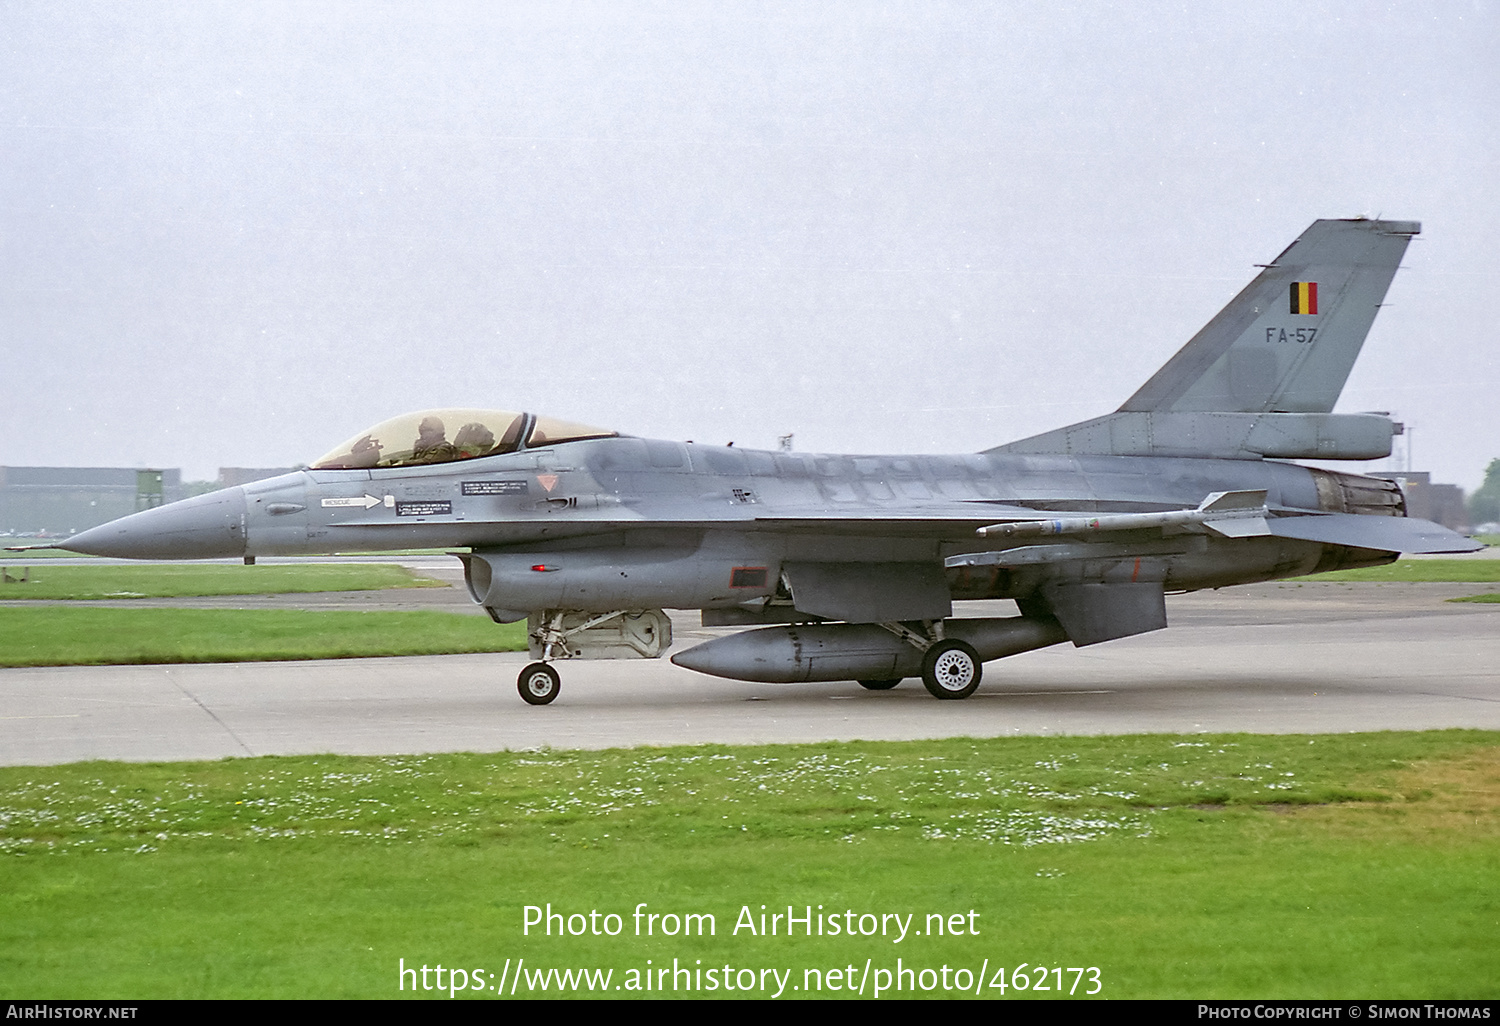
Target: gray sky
[[236, 233]]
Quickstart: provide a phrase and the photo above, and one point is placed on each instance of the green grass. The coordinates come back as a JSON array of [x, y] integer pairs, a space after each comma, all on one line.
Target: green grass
[[1420, 570], [36, 553], [179, 580], [93, 635], [1488, 597], [31, 554], [1204, 866]]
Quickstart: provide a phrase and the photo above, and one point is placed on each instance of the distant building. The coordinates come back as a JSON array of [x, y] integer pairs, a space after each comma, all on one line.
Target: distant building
[[1441, 503], [231, 476], [59, 501]]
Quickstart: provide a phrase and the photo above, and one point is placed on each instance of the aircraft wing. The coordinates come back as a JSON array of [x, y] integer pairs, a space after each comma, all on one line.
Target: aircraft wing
[[1228, 514]]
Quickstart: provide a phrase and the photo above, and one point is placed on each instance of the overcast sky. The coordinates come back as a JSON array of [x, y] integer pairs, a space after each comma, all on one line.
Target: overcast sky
[[235, 233]]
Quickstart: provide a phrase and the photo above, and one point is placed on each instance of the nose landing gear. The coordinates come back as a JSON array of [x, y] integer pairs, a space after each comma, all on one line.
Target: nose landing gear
[[538, 684], [554, 634]]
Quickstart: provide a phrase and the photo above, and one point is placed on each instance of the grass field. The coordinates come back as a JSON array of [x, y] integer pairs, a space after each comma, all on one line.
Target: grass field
[[32, 554], [180, 580], [1205, 866], [93, 635], [1419, 570]]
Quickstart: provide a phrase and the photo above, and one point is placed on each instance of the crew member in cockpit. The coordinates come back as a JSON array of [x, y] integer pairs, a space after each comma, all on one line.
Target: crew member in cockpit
[[432, 445], [474, 439]]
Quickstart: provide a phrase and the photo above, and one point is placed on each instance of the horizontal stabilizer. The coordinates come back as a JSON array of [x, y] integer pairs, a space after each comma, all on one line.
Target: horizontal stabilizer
[[1388, 534]]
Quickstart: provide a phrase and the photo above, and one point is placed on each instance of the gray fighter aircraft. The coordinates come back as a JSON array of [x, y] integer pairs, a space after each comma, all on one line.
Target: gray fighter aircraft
[[849, 566]]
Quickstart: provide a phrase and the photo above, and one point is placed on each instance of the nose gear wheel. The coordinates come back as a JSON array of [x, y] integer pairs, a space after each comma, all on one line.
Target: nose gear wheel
[[538, 684]]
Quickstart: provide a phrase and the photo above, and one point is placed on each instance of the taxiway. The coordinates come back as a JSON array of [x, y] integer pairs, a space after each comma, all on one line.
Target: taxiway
[[1287, 657]]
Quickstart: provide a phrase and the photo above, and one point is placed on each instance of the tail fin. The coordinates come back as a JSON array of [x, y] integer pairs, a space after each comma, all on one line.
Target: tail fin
[[1270, 366], [1288, 341]]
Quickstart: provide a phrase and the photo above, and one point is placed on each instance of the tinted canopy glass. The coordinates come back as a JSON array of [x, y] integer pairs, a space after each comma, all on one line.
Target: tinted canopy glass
[[430, 436], [442, 436]]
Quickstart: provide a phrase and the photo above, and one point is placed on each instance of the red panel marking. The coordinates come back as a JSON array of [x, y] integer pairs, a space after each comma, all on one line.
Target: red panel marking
[[747, 577]]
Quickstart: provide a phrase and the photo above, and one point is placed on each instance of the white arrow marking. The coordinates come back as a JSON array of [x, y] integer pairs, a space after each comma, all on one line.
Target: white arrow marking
[[365, 501]]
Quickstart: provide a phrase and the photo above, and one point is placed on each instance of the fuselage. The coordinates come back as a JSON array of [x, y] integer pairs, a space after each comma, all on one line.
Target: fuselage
[[681, 525]]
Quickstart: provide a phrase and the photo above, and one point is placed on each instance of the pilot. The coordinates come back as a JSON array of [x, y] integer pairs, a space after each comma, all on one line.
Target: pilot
[[474, 439], [432, 445]]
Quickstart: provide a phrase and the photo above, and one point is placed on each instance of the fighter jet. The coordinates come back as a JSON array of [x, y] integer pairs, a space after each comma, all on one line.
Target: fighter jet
[[850, 567]]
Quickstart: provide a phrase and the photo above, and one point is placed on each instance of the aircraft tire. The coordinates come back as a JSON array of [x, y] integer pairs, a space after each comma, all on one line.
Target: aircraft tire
[[951, 669], [538, 684], [880, 685]]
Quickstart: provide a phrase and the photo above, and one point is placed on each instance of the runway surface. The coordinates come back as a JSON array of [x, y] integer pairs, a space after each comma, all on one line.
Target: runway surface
[[1276, 658]]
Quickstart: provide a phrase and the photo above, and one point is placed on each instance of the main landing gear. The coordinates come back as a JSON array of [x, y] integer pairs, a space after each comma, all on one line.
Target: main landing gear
[[951, 669]]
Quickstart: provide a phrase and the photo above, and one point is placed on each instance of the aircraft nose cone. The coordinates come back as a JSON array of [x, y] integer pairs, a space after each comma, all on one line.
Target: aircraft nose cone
[[203, 527]]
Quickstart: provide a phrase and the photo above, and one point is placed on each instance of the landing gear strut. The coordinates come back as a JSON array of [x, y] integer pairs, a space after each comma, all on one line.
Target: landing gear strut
[[554, 634], [950, 668]]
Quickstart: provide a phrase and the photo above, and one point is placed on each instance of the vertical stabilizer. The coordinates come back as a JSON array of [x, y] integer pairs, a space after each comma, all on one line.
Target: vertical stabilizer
[[1261, 378], [1288, 341]]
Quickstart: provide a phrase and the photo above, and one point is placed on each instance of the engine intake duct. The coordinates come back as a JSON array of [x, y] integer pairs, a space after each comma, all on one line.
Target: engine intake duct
[[855, 651]]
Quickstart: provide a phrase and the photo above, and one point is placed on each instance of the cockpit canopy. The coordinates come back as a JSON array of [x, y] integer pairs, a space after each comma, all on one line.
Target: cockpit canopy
[[443, 436]]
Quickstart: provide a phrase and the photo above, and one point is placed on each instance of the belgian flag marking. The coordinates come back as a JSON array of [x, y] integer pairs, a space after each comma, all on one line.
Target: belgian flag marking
[[1304, 297]]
